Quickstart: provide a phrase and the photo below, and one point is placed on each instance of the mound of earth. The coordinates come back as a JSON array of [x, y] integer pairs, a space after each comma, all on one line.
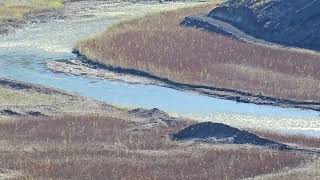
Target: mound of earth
[[220, 133], [154, 116], [293, 23]]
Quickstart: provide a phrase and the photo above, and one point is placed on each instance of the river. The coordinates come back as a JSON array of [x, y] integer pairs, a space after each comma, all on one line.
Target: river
[[25, 53]]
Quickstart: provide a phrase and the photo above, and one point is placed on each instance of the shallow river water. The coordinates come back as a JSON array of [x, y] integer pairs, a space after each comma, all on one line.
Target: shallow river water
[[24, 54]]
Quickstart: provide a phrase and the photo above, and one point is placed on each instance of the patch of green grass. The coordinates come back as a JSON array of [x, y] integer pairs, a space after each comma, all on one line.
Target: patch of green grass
[[13, 10]]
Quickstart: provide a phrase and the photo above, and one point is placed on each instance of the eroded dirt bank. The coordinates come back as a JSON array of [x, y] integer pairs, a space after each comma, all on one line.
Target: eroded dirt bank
[[291, 23]]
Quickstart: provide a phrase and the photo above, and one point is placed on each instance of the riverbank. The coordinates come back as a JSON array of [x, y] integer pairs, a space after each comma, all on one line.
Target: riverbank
[[90, 68], [20, 99], [14, 14], [157, 45], [71, 136]]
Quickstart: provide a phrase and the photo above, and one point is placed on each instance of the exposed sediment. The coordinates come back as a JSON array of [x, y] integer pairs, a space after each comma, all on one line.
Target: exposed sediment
[[289, 23], [222, 93]]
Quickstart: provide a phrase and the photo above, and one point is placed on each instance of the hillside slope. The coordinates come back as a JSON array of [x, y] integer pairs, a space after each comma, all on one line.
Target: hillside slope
[[293, 23]]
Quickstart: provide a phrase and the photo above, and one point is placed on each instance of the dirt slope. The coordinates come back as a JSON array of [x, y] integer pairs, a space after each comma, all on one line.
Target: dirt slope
[[294, 23]]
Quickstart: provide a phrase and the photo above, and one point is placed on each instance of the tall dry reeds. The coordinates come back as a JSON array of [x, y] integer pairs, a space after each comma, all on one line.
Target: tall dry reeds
[[92, 147], [158, 44]]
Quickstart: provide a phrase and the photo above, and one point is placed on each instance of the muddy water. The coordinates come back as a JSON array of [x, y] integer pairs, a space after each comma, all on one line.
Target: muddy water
[[24, 54]]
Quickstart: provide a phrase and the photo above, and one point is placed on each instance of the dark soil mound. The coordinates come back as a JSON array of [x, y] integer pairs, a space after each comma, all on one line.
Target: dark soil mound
[[154, 116], [288, 22], [217, 132], [8, 112]]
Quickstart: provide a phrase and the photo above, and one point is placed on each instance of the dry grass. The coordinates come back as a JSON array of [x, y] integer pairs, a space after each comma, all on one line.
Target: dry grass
[[157, 44], [24, 101], [10, 97], [310, 171], [11, 10], [91, 147], [312, 142]]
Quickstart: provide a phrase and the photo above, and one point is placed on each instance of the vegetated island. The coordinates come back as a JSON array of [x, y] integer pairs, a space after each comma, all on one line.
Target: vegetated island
[[185, 58]]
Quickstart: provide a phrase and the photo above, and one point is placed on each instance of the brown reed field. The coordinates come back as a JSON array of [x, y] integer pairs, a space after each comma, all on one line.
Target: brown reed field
[[300, 140], [100, 147], [157, 44]]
